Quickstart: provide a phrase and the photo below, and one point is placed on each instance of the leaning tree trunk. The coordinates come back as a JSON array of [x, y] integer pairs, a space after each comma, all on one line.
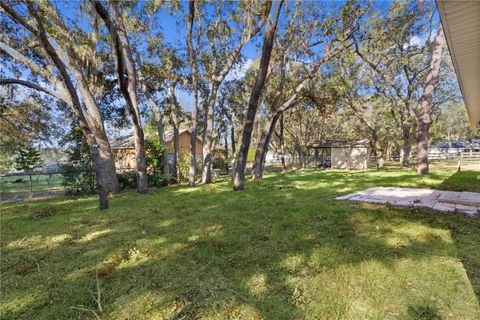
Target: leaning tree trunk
[[72, 99], [127, 79], [262, 147], [106, 161], [239, 180], [426, 102]]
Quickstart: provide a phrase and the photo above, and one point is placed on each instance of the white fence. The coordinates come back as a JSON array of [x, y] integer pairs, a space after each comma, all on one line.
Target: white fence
[[453, 155]]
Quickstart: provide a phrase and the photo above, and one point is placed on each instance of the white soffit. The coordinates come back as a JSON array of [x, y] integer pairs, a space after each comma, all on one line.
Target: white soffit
[[461, 24]]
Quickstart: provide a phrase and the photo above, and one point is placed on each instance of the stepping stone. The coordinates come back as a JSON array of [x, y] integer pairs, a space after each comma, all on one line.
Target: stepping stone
[[346, 197], [443, 208], [467, 203], [466, 198]]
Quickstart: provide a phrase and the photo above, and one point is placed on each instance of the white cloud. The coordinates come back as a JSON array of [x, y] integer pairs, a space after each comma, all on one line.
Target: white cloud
[[417, 41]]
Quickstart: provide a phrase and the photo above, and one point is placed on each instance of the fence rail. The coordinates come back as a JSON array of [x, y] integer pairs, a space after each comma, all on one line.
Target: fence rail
[[464, 155]]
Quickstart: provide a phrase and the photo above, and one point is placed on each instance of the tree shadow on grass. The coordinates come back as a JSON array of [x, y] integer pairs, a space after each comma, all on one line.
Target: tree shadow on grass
[[462, 181], [183, 255]]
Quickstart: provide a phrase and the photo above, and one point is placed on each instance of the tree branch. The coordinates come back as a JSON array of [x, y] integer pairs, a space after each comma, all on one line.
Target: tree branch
[[35, 68], [31, 85], [16, 17]]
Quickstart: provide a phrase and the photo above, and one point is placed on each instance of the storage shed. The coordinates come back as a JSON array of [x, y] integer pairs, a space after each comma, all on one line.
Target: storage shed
[[345, 154]]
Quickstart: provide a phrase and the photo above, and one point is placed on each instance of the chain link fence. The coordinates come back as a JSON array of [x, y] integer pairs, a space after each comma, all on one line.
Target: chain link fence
[[21, 186]]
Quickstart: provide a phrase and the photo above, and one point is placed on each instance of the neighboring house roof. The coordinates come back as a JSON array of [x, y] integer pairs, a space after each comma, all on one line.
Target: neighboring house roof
[[128, 142], [364, 143], [461, 24], [123, 142]]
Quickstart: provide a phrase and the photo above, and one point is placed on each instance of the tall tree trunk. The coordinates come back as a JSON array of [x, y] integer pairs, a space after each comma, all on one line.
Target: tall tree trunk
[[425, 106], [99, 172], [406, 147], [205, 101], [208, 141], [106, 162], [96, 123], [379, 155], [127, 79], [234, 151], [175, 121], [239, 180], [282, 143], [176, 151], [161, 136], [303, 158], [225, 141], [140, 157], [193, 126], [262, 147]]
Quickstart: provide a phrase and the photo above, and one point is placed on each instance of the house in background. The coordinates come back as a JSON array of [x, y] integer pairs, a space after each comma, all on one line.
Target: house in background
[[350, 154], [124, 149]]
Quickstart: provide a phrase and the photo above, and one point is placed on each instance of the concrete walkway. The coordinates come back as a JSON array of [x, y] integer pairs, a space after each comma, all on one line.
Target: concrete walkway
[[446, 201]]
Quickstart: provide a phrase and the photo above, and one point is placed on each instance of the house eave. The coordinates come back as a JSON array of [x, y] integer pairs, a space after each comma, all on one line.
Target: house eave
[[461, 25]]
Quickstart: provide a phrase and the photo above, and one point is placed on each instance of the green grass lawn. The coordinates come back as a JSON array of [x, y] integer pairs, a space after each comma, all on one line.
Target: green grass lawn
[[281, 249]]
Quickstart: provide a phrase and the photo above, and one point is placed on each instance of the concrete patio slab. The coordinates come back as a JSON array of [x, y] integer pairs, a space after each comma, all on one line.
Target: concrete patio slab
[[467, 203]]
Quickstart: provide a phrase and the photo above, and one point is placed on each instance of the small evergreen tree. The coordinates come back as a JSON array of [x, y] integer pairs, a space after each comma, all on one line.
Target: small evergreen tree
[[28, 160], [154, 158]]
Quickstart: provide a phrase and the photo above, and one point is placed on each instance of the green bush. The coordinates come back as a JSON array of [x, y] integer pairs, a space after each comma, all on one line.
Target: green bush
[[184, 167], [221, 163], [154, 158], [77, 180], [127, 180], [157, 179], [77, 176]]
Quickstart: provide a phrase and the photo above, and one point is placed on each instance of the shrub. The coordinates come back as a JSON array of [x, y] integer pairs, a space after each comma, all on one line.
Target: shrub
[[77, 180], [184, 167], [157, 179], [220, 163], [127, 180]]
